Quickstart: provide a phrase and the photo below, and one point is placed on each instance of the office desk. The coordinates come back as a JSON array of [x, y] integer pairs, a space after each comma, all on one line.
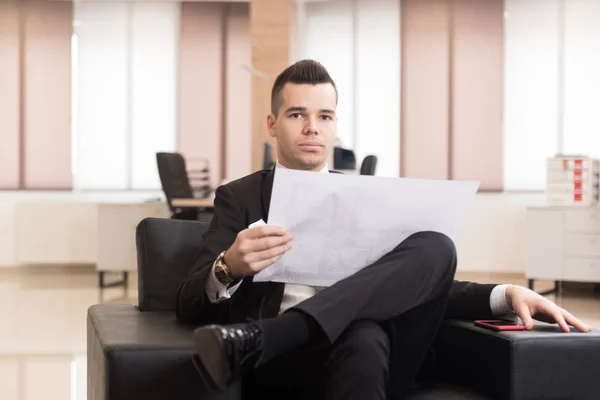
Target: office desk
[[191, 203]]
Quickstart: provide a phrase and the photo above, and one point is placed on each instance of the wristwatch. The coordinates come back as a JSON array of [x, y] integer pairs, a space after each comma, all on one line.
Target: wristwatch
[[222, 272]]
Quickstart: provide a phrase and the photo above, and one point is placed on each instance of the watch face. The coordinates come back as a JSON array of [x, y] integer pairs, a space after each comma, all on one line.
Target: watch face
[[222, 276]]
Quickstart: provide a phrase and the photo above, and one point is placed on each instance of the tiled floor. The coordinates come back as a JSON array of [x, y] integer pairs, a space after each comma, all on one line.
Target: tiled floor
[[42, 325]]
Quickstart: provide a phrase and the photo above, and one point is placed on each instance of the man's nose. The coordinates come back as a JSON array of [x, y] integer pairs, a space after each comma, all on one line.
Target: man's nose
[[311, 127]]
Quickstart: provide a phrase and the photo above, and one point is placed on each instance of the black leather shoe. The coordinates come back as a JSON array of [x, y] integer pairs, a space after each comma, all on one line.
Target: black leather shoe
[[225, 353]]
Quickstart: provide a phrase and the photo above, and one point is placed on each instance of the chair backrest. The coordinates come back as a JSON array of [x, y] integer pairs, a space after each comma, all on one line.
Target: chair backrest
[[369, 165], [343, 158], [166, 251], [268, 158], [173, 177]]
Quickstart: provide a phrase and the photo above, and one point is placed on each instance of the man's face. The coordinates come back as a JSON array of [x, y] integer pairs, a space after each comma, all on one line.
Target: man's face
[[305, 125]]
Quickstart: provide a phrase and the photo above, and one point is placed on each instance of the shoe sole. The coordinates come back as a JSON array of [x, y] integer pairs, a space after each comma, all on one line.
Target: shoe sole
[[211, 360]]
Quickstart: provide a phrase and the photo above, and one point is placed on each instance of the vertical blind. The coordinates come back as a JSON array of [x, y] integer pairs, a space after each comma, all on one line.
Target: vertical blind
[[552, 86], [35, 96], [362, 54], [582, 77], [126, 92], [530, 91]]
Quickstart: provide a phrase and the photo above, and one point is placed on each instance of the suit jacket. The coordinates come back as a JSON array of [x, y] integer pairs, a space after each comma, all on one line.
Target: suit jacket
[[237, 205]]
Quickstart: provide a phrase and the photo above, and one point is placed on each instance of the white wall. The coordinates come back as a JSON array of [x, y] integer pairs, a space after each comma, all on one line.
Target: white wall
[[492, 239]]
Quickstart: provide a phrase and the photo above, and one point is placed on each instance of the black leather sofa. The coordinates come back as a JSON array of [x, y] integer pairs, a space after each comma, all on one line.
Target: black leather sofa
[[144, 353]]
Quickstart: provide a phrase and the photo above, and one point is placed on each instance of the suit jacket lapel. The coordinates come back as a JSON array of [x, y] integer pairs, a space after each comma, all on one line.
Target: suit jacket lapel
[[267, 188]]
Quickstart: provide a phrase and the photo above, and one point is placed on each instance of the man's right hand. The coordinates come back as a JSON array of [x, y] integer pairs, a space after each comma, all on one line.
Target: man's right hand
[[257, 248]]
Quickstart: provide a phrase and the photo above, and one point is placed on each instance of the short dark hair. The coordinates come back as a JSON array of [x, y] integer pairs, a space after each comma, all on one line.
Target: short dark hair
[[302, 72]]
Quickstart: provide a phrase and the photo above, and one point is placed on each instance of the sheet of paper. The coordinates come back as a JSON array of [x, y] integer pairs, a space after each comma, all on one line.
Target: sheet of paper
[[342, 223]]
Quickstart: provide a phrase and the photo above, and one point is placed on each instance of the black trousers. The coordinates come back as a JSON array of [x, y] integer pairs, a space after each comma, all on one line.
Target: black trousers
[[379, 324]]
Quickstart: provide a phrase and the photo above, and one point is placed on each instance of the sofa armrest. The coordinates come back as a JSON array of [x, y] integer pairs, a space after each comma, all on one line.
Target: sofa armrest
[[142, 355], [544, 363]]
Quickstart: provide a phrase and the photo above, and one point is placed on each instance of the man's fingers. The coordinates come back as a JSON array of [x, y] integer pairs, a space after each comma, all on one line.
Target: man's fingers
[[559, 319], [571, 320], [259, 266], [523, 312], [268, 254], [266, 243]]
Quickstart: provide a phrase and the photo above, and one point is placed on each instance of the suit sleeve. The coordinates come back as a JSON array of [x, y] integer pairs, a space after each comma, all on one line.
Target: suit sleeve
[[469, 300], [193, 305]]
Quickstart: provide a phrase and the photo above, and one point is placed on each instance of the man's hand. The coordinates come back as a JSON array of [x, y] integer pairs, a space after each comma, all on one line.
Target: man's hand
[[257, 248], [529, 305]]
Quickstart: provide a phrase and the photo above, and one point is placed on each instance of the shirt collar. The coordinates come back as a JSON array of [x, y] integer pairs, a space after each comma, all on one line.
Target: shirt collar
[[325, 168]]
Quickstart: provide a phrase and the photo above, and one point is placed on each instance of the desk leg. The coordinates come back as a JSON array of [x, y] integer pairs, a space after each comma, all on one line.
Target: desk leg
[[103, 285], [530, 284]]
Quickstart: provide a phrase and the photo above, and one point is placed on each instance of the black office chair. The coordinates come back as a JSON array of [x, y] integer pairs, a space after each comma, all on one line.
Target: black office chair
[[369, 165], [343, 158], [268, 158], [176, 185]]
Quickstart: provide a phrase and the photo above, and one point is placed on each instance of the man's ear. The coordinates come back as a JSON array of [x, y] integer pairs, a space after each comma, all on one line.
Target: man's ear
[[271, 119]]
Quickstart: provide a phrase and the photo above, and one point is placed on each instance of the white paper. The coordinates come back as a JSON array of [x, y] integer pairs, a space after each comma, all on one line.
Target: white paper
[[260, 222], [343, 223]]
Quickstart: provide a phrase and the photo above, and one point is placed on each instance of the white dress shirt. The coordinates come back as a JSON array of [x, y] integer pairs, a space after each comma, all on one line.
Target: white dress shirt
[[294, 294]]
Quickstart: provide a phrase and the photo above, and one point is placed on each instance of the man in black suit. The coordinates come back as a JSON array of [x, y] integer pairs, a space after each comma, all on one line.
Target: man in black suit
[[364, 337]]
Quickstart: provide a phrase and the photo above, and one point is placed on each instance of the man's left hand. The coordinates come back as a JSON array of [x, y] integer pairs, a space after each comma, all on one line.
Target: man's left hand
[[529, 305]]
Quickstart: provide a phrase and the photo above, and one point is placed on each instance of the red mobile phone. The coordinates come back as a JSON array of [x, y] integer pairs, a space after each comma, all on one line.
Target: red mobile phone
[[499, 325]]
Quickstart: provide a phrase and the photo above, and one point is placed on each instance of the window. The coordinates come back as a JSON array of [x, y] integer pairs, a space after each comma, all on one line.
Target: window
[[552, 86], [126, 80]]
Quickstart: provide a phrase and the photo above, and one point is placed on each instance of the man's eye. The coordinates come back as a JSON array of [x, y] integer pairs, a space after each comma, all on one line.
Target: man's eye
[[295, 115], [326, 117]]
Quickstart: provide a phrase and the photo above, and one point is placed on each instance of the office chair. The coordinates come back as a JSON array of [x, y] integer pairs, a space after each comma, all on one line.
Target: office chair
[[369, 165], [175, 183], [343, 158]]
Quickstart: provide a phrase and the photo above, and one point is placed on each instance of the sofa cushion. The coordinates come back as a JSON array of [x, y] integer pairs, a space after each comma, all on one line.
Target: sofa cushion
[[148, 355], [541, 364]]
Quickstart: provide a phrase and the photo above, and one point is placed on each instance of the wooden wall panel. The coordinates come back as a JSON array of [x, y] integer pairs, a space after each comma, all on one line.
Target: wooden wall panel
[[238, 123], [271, 25]]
